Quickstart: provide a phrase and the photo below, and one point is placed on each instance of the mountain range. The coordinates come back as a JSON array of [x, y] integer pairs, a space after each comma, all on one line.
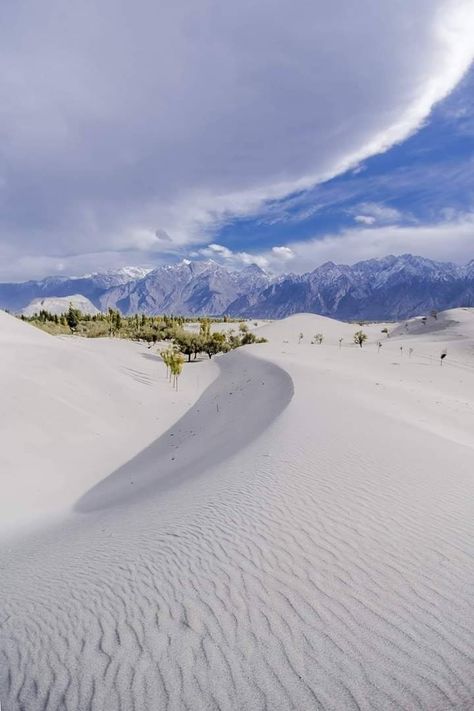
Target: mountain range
[[391, 288]]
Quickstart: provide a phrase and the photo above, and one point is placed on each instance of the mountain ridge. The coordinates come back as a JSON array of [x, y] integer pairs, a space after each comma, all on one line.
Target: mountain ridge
[[391, 287]]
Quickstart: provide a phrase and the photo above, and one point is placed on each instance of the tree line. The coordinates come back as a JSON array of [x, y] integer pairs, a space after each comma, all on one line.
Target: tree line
[[138, 327], [151, 329]]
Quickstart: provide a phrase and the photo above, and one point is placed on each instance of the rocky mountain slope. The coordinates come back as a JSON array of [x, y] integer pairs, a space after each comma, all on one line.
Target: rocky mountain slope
[[388, 288]]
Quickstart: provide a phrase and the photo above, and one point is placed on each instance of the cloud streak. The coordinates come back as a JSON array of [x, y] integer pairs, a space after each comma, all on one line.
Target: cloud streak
[[451, 240], [137, 129]]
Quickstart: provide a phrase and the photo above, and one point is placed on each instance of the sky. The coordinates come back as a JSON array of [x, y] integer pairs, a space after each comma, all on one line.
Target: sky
[[283, 134]]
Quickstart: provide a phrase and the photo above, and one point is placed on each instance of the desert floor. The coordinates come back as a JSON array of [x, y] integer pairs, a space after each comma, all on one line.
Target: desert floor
[[292, 529]]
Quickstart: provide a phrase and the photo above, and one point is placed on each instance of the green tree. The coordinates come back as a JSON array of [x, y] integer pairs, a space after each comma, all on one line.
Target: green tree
[[359, 338], [186, 342], [73, 317], [115, 321], [216, 343], [205, 328]]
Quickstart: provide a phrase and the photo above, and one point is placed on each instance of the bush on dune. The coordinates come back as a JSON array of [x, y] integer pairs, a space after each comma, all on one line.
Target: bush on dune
[[359, 338], [190, 344]]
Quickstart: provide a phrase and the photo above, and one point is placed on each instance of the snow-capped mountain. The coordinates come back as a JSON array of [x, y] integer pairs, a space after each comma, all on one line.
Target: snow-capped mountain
[[388, 288], [116, 277], [16, 296], [187, 288]]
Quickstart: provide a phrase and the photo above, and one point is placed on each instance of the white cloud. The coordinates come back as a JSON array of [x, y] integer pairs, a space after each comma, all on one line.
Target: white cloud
[[277, 255], [365, 219], [116, 118], [444, 241], [230, 258], [218, 250], [284, 253], [371, 213]]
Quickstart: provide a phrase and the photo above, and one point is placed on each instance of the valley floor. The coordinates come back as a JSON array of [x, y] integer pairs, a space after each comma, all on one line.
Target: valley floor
[[299, 534]]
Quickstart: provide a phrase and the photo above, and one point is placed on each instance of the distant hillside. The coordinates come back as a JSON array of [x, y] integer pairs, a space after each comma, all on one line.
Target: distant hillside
[[389, 288], [60, 304]]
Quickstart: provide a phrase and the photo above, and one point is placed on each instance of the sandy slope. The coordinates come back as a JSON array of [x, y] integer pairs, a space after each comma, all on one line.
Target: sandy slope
[[302, 538], [72, 410], [60, 305]]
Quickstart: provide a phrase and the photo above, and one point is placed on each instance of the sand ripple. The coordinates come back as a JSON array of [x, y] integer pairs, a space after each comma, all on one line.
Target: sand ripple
[[284, 567]]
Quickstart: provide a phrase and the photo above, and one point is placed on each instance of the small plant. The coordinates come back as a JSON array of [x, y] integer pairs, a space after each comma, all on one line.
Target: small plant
[[248, 338], [359, 338], [205, 328], [167, 358], [176, 366], [164, 358]]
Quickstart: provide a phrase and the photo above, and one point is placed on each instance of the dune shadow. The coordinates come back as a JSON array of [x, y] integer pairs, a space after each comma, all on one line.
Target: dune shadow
[[240, 404]]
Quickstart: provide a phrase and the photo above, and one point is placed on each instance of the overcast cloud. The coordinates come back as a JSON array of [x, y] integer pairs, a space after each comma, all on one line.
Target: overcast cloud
[[131, 129]]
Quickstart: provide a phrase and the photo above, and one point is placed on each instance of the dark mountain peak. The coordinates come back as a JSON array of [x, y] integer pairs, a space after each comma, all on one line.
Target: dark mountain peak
[[327, 266], [254, 269], [376, 264]]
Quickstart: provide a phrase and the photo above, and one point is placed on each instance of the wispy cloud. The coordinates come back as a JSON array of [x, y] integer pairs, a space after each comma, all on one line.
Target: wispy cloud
[[365, 219], [371, 213], [449, 240], [229, 258], [273, 259], [123, 123]]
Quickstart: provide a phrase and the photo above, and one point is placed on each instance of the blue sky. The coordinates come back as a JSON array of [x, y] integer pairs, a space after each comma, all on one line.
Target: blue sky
[[425, 181], [288, 135]]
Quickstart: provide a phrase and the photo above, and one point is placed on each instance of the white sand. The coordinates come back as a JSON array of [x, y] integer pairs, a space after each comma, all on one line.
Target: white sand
[[302, 538], [252, 325], [72, 410], [60, 305]]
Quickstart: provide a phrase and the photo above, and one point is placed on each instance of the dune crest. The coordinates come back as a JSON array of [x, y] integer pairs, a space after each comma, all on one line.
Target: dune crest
[[72, 410]]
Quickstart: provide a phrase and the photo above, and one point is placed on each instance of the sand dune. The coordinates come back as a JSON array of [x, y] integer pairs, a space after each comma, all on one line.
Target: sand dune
[[300, 538], [73, 410]]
